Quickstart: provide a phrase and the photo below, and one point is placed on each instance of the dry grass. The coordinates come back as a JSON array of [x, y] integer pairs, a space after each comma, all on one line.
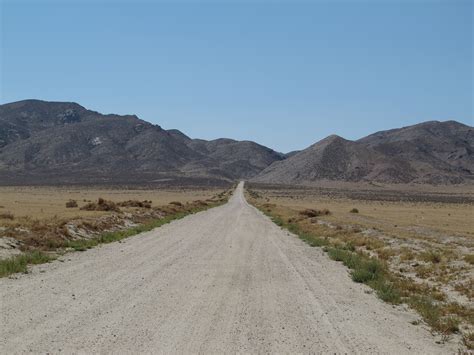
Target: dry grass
[[49, 202], [71, 204], [309, 212], [56, 232], [101, 205], [108, 224], [135, 203], [7, 216], [410, 217]]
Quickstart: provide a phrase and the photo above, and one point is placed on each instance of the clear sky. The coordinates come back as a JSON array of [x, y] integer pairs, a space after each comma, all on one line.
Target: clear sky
[[283, 73]]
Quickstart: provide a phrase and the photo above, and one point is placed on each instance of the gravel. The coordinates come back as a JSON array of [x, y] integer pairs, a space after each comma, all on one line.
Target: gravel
[[221, 281]]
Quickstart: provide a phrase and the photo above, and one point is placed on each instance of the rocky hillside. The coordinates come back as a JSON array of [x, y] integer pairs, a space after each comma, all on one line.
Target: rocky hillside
[[430, 152], [438, 151], [58, 142]]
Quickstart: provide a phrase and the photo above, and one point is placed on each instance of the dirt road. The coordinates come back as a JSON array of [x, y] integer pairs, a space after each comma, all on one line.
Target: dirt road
[[223, 280]]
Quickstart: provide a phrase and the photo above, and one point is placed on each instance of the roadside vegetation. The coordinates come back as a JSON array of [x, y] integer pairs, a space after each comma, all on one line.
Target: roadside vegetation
[[42, 241], [379, 262], [19, 263]]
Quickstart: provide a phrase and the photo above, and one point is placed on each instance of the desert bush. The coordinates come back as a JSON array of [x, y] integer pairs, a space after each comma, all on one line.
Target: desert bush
[[309, 213], [278, 221], [254, 194], [431, 256], [433, 315], [135, 203], [385, 253], [7, 215], [176, 203], [362, 275], [386, 291], [71, 204], [324, 212], [354, 210], [101, 205], [315, 213], [406, 254], [468, 340]]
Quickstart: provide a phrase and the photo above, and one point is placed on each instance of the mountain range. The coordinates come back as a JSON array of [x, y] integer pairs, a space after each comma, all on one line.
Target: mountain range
[[431, 152], [63, 143]]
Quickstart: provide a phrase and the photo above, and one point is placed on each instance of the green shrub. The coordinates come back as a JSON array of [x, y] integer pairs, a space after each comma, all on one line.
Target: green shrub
[[19, 263], [362, 275], [386, 291]]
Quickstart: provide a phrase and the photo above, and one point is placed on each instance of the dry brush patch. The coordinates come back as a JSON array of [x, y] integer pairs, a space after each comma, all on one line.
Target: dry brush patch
[[46, 202], [41, 240], [71, 204], [7, 215], [432, 276], [101, 205]]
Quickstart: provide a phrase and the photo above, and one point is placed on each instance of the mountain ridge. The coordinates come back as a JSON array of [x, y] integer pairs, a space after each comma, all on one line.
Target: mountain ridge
[[433, 152], [64, 142]]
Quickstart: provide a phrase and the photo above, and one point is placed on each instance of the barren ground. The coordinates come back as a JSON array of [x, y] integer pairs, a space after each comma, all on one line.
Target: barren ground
[[223, 280]]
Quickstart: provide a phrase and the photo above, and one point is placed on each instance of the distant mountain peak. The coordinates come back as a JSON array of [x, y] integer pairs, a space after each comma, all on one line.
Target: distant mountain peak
[[430, 152], [63, 142]]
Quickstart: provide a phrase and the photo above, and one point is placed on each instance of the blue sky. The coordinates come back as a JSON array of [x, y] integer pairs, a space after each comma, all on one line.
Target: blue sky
[[283, 73]]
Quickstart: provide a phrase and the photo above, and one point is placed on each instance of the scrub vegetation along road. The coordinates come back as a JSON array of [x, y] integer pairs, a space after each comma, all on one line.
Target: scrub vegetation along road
[[223, 280]]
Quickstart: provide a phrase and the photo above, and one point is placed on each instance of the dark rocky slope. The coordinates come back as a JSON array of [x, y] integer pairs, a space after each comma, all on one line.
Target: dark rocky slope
[[430, 152], [60, 142]]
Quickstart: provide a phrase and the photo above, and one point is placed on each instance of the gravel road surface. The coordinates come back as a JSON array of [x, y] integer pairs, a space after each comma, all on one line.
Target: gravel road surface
[[225, 280]]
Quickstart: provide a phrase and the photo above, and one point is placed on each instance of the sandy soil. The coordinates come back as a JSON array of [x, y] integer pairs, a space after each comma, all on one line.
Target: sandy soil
[[223, 280], [46, 202]]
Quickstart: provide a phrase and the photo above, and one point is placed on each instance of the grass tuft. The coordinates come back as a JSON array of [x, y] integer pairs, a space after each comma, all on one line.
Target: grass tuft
[[431, 257], [386, 291], [468, 340], [19, 263], [432, 314]]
